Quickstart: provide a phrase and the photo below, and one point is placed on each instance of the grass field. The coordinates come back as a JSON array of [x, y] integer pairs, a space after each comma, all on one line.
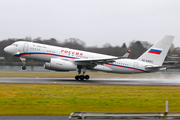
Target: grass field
[[54, 99]]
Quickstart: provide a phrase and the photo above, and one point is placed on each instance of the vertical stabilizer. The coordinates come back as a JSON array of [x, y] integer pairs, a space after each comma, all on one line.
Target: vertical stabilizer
[[157, 53]]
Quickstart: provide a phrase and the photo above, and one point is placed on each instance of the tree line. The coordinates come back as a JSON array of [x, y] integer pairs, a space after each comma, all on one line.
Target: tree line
[[137, 47]]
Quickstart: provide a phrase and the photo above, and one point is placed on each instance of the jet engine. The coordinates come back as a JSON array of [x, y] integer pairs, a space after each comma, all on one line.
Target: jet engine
[[60, 65]]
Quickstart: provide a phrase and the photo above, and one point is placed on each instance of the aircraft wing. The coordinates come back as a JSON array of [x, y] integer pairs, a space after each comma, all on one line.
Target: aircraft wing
[[110, 59], [95, 61]]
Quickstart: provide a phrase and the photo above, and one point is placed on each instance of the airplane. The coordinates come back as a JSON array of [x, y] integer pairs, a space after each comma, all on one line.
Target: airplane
[[66, 59]]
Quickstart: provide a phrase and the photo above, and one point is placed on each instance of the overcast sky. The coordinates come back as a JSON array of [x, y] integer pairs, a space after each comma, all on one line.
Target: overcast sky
[[96, 22]]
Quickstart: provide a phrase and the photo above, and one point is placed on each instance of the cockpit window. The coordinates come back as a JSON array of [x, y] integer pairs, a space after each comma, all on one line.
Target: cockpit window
[[15, 45]]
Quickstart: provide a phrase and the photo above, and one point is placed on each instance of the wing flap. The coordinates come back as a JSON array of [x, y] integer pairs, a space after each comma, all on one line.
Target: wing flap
[[94, 62], [96, 59]]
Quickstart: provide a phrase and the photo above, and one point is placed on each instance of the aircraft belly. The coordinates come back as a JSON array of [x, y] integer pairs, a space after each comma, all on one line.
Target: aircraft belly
[[43, 57], [124, 69], [103, 68], [38, 57], [118, 69]]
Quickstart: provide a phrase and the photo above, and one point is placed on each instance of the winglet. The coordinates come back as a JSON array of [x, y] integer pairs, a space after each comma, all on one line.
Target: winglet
[[126, 55]]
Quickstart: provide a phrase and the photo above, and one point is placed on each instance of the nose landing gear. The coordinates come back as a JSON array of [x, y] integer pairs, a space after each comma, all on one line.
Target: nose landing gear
[[24, 62], [82, 77]]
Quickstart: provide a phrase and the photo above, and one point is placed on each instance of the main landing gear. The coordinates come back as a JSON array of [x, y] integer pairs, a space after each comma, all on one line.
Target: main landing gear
[[24, 62], [82, 77]]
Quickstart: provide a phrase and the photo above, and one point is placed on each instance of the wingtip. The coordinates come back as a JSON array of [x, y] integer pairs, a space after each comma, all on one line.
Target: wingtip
[[170, 35]]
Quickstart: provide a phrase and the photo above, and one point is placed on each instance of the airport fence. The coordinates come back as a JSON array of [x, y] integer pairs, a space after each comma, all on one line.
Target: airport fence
[[126, 116], [16, 66]]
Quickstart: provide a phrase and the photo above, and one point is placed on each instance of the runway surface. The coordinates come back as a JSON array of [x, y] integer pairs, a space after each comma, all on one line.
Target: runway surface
[[100, 81]]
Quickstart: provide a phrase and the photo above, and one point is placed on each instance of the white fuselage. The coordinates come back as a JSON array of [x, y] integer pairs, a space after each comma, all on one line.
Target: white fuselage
[[45, 53]]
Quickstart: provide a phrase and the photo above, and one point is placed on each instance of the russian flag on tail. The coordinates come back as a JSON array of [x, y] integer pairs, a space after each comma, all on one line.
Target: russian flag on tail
[[155, 51]]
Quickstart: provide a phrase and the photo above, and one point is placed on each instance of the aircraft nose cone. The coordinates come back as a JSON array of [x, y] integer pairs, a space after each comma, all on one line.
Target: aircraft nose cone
[[6, 49]]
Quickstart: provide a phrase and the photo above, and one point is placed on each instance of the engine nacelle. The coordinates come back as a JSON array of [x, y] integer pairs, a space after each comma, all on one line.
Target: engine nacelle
[[60, 65]]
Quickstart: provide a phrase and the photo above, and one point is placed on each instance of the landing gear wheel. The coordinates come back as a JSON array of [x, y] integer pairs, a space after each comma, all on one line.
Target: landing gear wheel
[[24, 67], [86, 77], [77, 77], [82, 77]]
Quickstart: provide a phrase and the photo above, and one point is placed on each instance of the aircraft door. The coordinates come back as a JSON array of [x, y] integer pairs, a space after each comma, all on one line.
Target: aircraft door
[[135, 65], [25, 48]]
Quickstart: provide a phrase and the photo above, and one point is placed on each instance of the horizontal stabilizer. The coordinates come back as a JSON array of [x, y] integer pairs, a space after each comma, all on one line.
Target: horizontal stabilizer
[[153, 69]]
